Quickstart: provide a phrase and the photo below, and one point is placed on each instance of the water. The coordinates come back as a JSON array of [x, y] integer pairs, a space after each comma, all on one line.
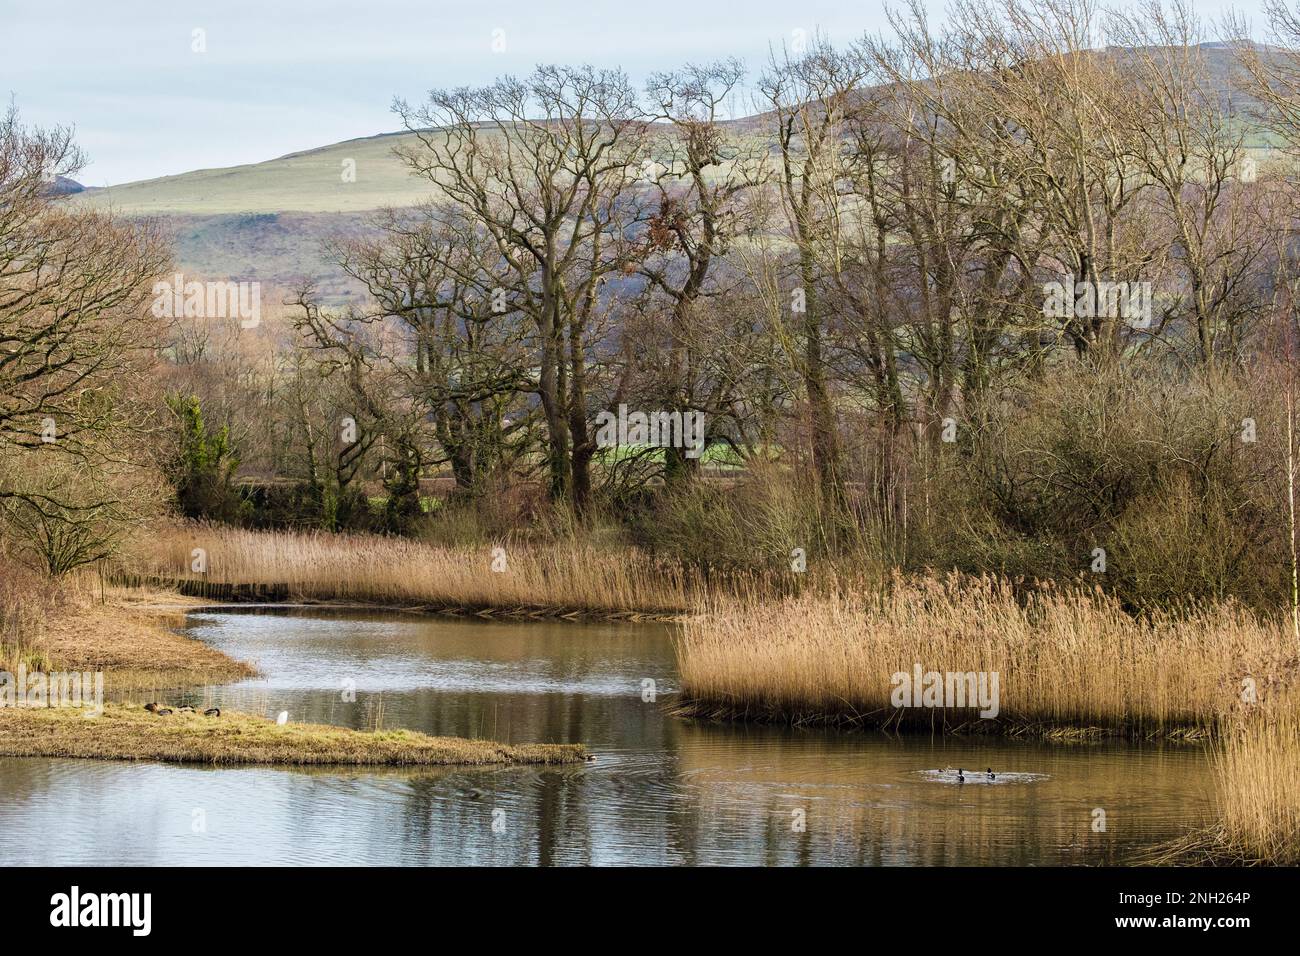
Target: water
[[663, 791]]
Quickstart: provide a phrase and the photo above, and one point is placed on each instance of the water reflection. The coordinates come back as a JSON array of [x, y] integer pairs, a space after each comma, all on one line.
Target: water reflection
[[663, 791]]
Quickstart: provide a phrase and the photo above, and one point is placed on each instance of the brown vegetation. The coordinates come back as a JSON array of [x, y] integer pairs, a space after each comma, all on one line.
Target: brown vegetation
[[71, 625], [1064, 659], [554, 579]]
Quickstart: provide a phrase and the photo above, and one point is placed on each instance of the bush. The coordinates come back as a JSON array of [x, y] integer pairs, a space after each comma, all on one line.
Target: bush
[[59, 512], [203, 468], [751, 524], [1149, 467]]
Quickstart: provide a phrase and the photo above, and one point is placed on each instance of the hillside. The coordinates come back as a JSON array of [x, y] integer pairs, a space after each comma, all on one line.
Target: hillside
[[310, 181], [267, 221]]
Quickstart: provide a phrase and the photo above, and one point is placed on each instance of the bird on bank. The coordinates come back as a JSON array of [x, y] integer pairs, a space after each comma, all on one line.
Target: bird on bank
[[212, 712], [151, 707], [163, 711]]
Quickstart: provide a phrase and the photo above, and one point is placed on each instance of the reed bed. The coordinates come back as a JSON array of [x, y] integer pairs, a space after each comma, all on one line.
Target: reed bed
[[1258, 778], [21, 634], [1068, 661], [1257, 789], [554, 579]]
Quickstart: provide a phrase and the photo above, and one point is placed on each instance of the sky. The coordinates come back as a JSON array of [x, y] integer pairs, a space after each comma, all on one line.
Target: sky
[[149, 96]]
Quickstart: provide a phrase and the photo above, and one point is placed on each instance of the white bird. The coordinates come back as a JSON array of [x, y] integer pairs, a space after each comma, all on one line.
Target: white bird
[[283, 718]]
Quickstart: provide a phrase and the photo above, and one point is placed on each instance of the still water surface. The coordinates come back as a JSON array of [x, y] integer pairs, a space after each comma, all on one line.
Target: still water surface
[[663, 791]]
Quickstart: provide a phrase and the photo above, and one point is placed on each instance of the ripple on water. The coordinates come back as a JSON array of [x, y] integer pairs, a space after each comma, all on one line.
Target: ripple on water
[[982, 777]]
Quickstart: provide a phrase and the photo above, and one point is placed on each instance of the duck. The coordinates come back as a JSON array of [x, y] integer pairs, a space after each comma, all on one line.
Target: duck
[[991, 774], [151, 707], [185, 709], [961, 775], [163, 711], [212, 712]]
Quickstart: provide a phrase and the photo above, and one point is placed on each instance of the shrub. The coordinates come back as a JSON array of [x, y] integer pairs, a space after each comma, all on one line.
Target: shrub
[[203, 469], [752, 524], [1149, 467]]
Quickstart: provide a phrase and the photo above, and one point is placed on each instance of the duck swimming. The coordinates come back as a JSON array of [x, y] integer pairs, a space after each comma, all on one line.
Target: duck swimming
[[961, 775], [991, 774]]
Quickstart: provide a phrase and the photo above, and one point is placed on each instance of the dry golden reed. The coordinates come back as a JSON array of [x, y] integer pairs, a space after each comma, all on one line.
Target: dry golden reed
[[1258, 780], [1064, 658], [553, 578], [1257, 790]]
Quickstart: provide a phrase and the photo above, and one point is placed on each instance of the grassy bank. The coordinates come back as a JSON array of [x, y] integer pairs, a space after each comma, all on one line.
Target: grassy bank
[[132, 733], [138, 645], [560, 578], [134, 638], [1068, 662]]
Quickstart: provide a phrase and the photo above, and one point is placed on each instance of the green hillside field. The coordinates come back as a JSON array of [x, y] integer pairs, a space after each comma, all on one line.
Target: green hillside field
[[310, 182]]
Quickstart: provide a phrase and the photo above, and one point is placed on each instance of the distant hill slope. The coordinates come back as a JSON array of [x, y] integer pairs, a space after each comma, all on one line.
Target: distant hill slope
[[267, 221], [310, 181], [63, 186], [279, 248]]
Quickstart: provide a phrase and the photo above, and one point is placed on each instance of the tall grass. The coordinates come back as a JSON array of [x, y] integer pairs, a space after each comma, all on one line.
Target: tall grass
[[1065, 658], [26, 600], [1257, 787], [553, 578], [1258, 778]]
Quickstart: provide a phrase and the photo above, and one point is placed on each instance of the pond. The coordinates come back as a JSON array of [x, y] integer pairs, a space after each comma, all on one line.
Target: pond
[[663, 791]]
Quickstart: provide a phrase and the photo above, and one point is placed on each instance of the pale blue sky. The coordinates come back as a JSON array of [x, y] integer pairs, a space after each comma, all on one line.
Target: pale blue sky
[[285, 75]]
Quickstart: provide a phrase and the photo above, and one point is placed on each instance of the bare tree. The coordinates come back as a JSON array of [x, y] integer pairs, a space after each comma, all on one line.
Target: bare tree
[[704, 173], [76, 338], [810, 95], [545, 167]]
